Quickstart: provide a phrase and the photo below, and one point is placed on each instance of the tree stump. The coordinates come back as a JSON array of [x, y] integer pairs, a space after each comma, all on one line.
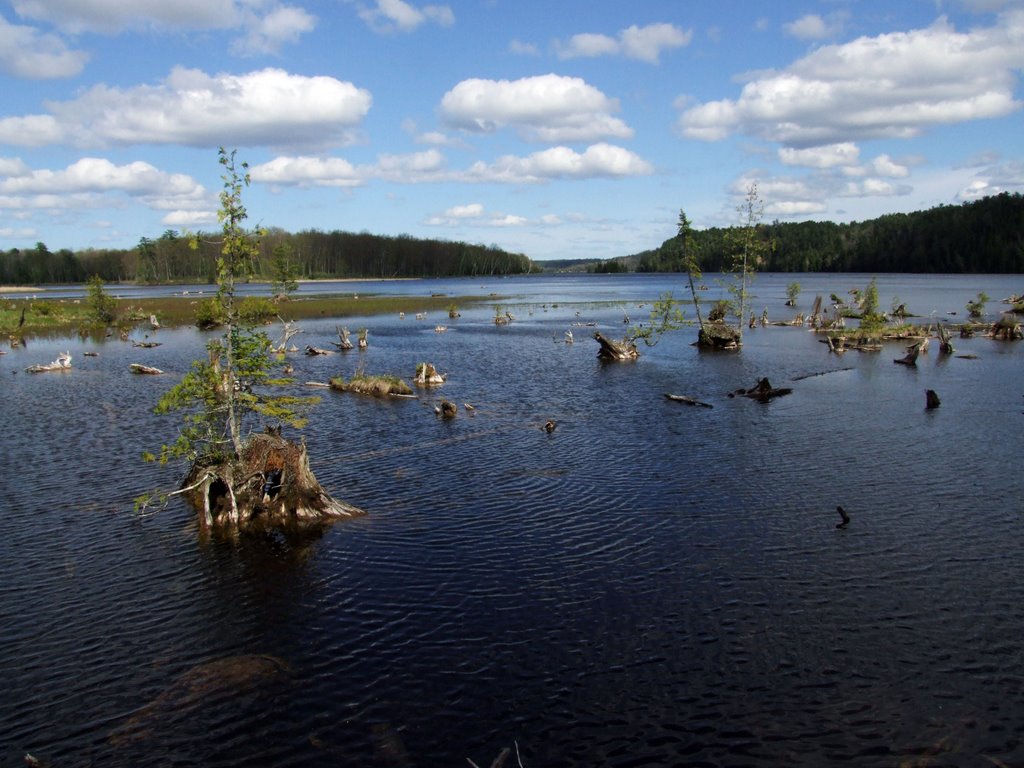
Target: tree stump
[[763, 391], [718, 336], [615, 350], [272, 485]]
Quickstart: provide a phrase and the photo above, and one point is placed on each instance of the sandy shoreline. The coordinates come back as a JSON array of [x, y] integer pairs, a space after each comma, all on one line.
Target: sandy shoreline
[[18, 289]]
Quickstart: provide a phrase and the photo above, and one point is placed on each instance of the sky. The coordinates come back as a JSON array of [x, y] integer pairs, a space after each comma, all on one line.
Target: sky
[[561, 130]]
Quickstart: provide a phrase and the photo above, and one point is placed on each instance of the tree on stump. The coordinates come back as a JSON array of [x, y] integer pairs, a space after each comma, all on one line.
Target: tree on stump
[[236, 481]]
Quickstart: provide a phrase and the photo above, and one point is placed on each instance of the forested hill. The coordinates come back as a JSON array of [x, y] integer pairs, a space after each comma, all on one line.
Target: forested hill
[[310, 254], [984, 236]]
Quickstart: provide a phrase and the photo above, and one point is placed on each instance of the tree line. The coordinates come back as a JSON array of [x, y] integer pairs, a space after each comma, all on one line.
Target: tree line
[[175, 257], [983, 236]]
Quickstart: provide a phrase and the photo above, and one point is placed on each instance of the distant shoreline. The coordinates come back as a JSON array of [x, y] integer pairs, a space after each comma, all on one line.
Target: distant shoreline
[[19, 289]]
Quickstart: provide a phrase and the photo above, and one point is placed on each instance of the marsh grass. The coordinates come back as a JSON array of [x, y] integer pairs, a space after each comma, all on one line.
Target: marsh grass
[[49, 316]]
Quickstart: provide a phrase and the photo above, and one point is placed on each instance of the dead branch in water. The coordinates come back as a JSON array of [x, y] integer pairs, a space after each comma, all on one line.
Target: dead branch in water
[[687, 400]]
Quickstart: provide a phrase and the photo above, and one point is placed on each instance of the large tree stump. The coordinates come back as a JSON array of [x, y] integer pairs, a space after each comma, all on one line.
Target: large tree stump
[[272, 485], [615, 350], [718, 336]]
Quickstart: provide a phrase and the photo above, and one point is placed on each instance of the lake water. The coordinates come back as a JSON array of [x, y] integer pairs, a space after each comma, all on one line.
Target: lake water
[[650, 584]]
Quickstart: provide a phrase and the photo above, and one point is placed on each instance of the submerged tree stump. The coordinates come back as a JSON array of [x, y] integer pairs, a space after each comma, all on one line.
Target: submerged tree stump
[[763, 391], [272, 485], [718, 336], [615, 350]]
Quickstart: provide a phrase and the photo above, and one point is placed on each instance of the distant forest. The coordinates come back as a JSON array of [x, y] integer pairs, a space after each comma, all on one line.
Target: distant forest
[[984, 236], [310, 254]]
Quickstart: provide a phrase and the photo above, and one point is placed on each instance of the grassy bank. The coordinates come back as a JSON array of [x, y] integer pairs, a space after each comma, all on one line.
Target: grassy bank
[[46, 317]]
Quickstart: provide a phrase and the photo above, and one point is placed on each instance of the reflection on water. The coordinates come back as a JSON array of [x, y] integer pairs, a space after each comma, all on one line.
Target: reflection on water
[[649, 584]]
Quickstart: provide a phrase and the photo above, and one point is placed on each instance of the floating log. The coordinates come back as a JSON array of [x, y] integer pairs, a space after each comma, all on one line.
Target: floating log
[[146, 344], [687, 400], [763, 391], [62, 363], [615, 350], [271, 485], [313, 351], [147, 369]]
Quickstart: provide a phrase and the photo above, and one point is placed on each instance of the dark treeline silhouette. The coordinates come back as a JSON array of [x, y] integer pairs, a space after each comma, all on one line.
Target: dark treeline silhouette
[[310, 254], [984, 236]]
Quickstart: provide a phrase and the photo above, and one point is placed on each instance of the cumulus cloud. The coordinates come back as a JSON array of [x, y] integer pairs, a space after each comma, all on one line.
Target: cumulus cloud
[[30, 131], [269, 107], [305, 171], [397, 15], [597, 161], [265, 25], [28, 53], [548, 108], [76, 16], [891, 86], [641, 43], [282, 25], [91, 179], [826, 156], [475, 214]]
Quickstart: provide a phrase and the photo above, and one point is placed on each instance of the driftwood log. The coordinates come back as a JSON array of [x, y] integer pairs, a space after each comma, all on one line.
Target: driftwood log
[[145, 369], [688, 400], [615, 350], [271, 486], [763, 391], [62, 363]]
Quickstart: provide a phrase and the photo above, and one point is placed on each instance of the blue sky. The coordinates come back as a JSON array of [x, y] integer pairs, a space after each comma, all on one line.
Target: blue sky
[[556, 129]]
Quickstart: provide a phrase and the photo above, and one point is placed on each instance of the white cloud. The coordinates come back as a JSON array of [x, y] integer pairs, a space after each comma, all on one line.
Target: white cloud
[[189, 219], [269, 107], [91, 181], [282, 25], [597, 161], [473, 210], [474, 214], [883, 165], [814, 27], [642, 43], [266, 25], [76, 16], [30, 131], [28, 53], [307, 171], [521, 48], [548, 108], [826, 156], [894, 85], [397, 15]]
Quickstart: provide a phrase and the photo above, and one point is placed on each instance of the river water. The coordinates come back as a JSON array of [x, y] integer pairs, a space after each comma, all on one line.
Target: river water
[[649, 584]]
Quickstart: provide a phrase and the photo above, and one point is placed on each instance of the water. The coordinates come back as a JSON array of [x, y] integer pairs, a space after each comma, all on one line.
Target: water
[[650, 584]]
